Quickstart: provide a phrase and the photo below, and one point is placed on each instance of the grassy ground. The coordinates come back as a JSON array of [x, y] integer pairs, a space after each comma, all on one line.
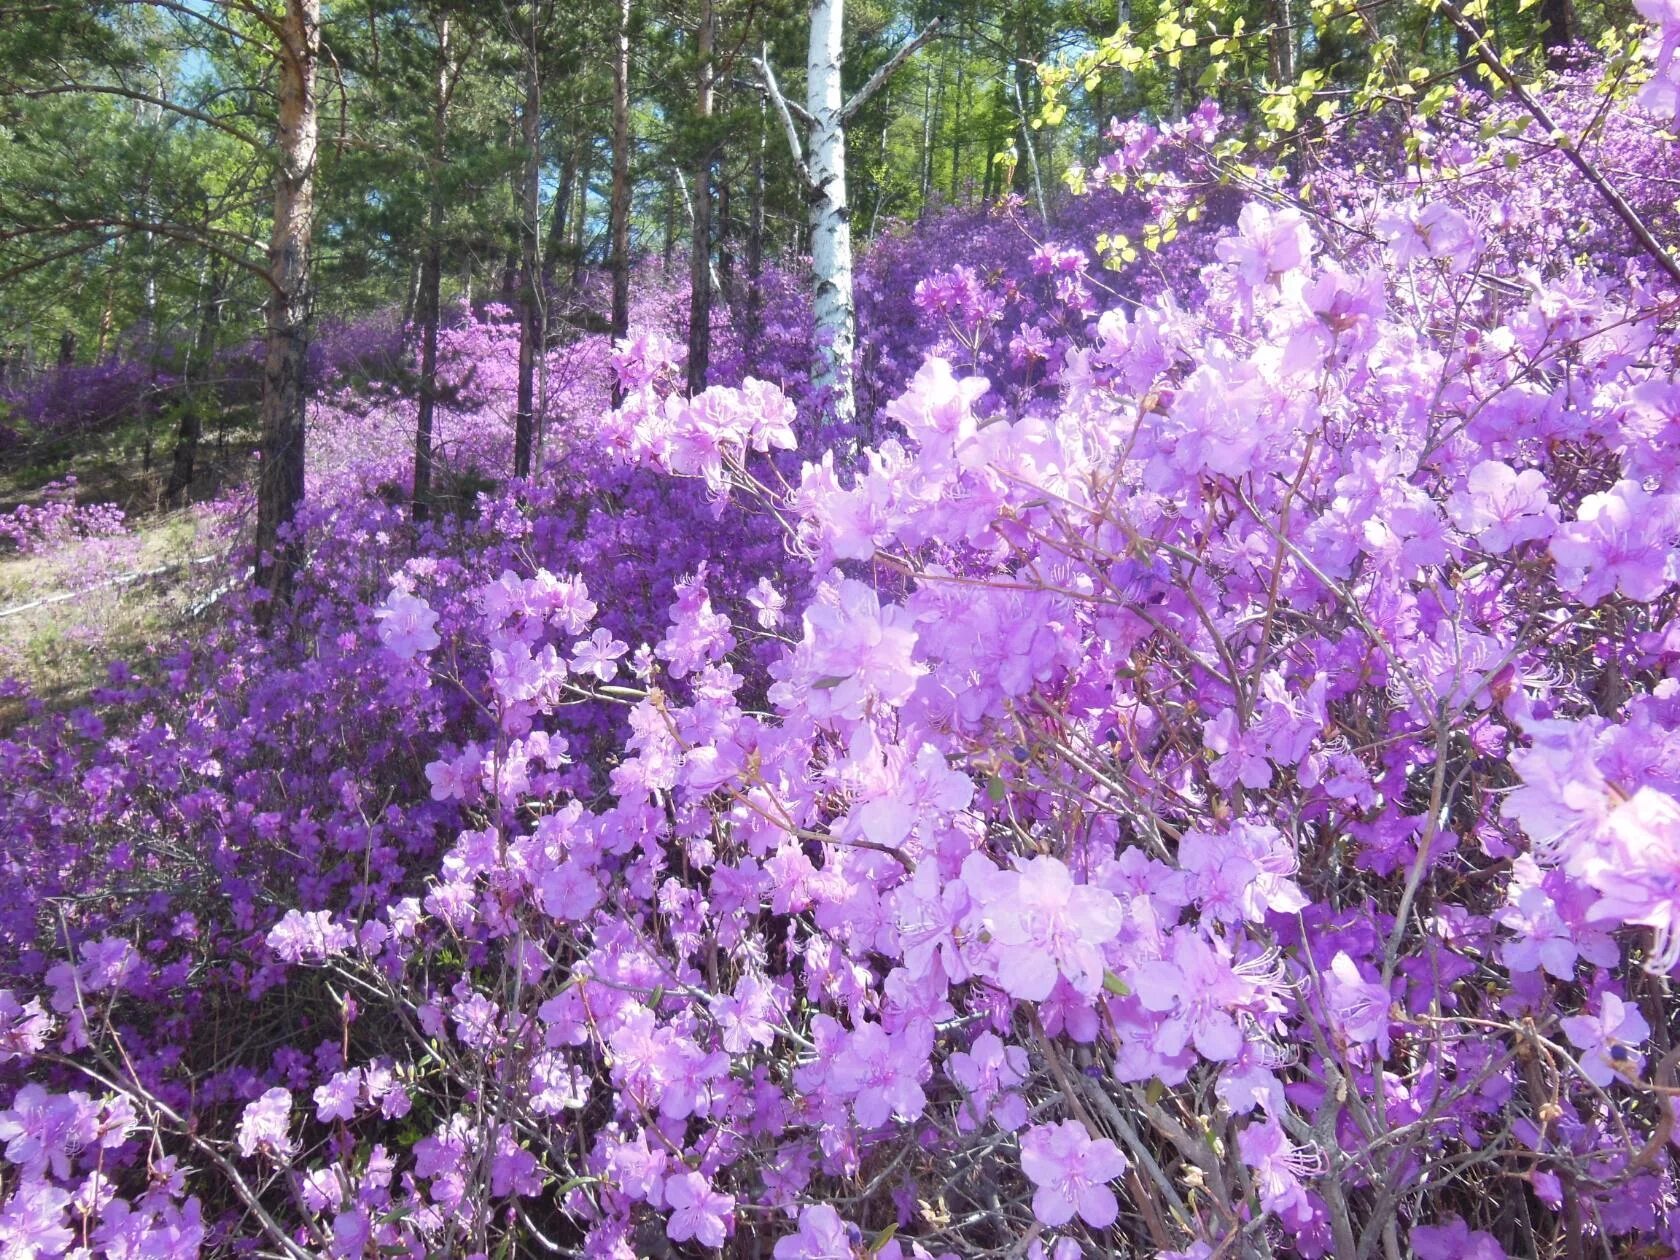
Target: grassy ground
[[68, 611]]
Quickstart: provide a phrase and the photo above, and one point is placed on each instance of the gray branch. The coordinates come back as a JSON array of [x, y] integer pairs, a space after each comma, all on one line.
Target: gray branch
[[880, 77]]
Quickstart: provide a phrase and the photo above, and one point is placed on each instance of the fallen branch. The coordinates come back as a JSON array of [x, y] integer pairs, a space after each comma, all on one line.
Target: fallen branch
[[122, 579]]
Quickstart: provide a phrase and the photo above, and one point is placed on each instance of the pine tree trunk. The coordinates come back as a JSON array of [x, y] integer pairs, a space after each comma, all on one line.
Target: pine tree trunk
[[724, 234], [1557, 30], [531, 322], [958, 127], [620, 206], [284, 399], [831, 216], [700, 253], [580, 220], [988, 185], [559, 220], [183, 463], [755, 231], [431, 281]]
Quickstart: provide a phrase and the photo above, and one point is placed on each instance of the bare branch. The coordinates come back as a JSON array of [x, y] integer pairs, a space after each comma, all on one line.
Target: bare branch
[[784, 111], [257, 13], [1563, 140], [145, 98], [880, 77], [8, 274], [172, 231], [202, 18]]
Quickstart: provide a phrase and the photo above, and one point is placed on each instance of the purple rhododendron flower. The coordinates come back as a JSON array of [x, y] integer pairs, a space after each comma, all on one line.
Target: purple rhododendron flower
[[1043, 925], [697, 1211], [1071, 1171], [1606, 1040], [823, 1235], [265, 1126]]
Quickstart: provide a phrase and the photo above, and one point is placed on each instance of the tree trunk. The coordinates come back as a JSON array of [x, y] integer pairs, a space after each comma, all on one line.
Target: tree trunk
[[994, 145], [755, 231], [531, 322], [284, 400], [619, 211], [183, 463], [107, 314], [1557, 30], [1027, 175], [580, 220], [724, 233], [560, 219], [1282, 43], [700, 253], [927, 135], [411, 300], [959, 125], [831, 216], [431, 281]]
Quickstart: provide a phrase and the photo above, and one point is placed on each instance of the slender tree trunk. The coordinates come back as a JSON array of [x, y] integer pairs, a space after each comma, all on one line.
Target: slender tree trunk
[[431, 279], [560, 219], [411, 299], [927, 138], [724, 234], [880, 185], [1282, 43], [284, 401], [1027, 175], [580, 224], [822, 166], [670, 250], [531, 322], [994, 144], [1557, 30], [620, 206], [700, 254], [959, 125], [183, 463], [755, 230], [1028, 145], [107, 314], [831, 215]]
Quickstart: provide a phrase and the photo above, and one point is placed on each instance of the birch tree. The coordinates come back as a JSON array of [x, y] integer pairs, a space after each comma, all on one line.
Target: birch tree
[[820, 160]]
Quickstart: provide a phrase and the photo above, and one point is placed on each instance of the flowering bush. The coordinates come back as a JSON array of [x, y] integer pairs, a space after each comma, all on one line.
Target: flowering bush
[[83, 399], [58, 518], [1221, 798]]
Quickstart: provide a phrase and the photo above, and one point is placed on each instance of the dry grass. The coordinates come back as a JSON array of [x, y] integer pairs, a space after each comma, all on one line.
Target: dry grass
[[67, 612]]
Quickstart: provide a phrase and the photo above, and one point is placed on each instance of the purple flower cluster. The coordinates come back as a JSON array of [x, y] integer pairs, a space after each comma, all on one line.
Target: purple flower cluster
[[58, 519]]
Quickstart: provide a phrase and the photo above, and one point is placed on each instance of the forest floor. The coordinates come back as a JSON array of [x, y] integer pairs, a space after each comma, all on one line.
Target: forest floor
[[69, 608]]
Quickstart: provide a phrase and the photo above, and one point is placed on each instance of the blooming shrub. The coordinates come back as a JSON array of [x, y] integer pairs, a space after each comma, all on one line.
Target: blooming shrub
[[58, 518], [84, 399], [1222, 797]]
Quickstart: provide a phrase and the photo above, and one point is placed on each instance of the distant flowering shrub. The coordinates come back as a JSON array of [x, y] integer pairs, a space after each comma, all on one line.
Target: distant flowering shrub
[[58, 518], [1216, 792]]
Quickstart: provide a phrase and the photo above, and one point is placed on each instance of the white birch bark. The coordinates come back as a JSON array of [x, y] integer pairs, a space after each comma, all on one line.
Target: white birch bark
[[831, 216], [821, 162]]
